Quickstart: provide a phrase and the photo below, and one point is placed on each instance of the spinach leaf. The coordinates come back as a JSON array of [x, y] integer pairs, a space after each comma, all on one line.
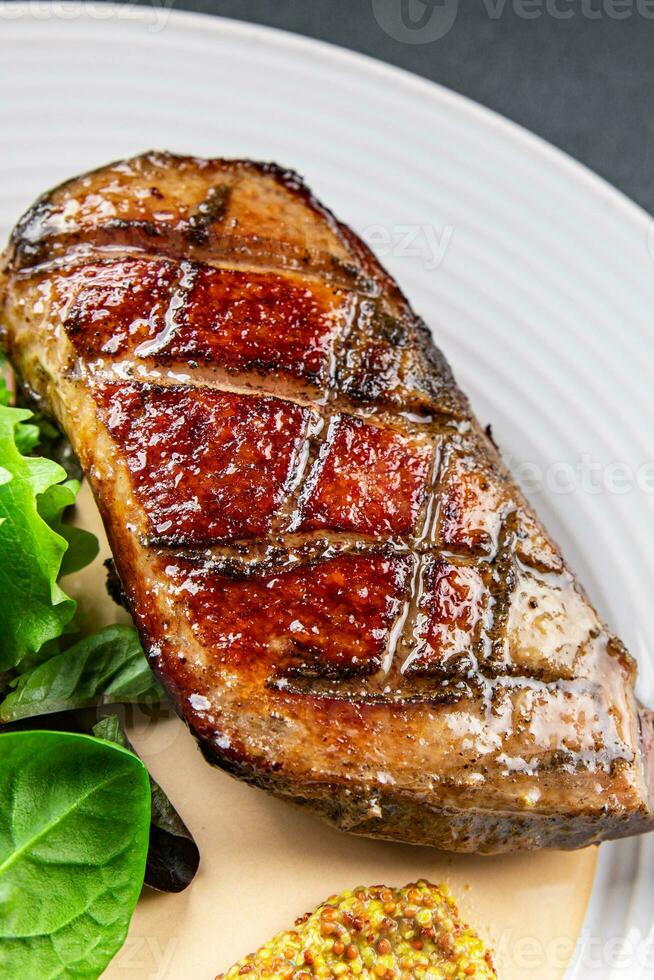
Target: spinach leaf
[[108, 667], [74, 818], [173, 855], [34, 543]]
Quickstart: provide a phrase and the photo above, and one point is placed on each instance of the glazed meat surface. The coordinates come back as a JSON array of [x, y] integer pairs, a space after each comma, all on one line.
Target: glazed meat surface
[[345, 594]]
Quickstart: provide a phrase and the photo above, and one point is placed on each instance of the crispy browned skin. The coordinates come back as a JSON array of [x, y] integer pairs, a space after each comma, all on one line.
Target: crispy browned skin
[[345, 594]]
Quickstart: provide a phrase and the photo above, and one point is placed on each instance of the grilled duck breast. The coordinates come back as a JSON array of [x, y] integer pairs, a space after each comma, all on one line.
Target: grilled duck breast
[[345, 594]]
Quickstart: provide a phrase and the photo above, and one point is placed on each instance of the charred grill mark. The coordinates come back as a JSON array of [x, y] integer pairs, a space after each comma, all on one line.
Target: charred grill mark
[[502, 582], [365, 691], [389, 359], [369, 367], [211, 211], [231, 564], [297, 391], [217, 248], [278, 551], [530, 699]]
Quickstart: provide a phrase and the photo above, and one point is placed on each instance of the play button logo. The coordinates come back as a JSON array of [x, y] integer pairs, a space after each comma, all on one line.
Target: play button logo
[[416, 21]]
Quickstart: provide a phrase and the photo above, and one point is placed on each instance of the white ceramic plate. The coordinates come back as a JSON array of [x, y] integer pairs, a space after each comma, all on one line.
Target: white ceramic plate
[[536, 277]]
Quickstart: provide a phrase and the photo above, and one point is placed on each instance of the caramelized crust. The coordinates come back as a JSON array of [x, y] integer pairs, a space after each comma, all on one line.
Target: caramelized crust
[[345, 593], [111, 307], [226, 318], [453, 601], [206, 465], [367, 479], [329, 618], [472, 509], [257, 321]]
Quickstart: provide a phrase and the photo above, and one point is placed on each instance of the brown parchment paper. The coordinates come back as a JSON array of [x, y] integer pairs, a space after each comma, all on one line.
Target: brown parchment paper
[[264, 862]]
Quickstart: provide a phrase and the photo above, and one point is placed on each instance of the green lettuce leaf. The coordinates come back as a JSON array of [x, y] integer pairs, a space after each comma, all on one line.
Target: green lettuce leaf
[[51, 442], [83, 546], [36, 545], [34, 608], [108, 667]]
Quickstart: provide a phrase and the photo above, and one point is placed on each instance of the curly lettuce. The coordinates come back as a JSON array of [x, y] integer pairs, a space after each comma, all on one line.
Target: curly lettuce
[[34, 544]]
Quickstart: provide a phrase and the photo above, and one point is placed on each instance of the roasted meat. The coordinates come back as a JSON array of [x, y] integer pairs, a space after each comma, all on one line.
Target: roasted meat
[[345, 594]]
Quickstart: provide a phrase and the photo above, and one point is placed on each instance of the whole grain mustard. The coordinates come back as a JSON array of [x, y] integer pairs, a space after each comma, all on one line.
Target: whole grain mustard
[[411, 933]]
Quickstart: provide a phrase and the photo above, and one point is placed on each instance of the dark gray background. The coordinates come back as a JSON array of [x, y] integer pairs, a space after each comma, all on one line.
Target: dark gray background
[[584, 82]]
